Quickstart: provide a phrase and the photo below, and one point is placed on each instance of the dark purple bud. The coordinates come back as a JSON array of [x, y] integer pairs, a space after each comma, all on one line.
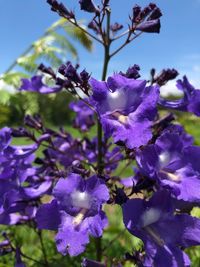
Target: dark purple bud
[[91, 263], [60, 9], [149, 26], [33, 121], [88, 6], [152, 72], [165, 76], [132, 72], [54, 4], [78, 168], [70, 72], [106, 3], [93, 26], [47, 70], [85, 76], [61, 69], [20, 132], [64, 11], [136, 13], [145, 12], [116, 27], [156, 14], [44, 137], [152, 6]]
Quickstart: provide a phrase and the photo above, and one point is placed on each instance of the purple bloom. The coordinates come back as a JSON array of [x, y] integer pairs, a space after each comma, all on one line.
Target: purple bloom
[[161, 229], [75, 212], [126, 108], [36, 85], [165, 162], [84, 115], [189, 102]]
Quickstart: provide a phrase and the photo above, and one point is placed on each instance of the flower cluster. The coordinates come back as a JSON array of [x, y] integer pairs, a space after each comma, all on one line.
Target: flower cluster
[[79, 176]]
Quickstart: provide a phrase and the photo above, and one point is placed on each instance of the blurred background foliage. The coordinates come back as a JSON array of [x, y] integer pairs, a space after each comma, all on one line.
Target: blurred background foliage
[[54, 47]]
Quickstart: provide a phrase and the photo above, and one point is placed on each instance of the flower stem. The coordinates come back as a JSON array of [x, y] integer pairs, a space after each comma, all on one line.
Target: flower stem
[[100, 166], [43, 248]]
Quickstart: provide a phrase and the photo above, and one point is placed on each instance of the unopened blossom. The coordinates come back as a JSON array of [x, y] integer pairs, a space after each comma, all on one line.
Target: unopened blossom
[[75, 212], [88, 6], [126, 108], [162, 231], [91, 263]]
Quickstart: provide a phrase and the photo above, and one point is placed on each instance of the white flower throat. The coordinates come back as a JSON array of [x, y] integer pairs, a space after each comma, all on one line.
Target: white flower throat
[[80, 200], [117, 100]]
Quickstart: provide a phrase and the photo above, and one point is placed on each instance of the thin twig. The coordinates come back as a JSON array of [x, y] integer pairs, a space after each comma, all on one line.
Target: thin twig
[[128, 40]]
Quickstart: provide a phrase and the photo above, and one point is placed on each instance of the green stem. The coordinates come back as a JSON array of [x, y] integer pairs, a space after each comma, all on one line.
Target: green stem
[[99, 126], [43, 248]]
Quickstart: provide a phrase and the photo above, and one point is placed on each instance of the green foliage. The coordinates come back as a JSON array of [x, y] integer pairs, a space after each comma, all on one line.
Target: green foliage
[[53, 109], [53, 47]]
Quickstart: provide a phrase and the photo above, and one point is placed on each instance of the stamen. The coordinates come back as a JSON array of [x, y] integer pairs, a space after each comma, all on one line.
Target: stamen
[[123, 119], [172, 176], [79, 217]]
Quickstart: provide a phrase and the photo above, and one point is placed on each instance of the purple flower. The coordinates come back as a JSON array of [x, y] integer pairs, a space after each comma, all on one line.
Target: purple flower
[[75, 212], [126, 108], [189, 102], [88, 5], [36, 85], [84, 115], [165, 162], [161, 229]]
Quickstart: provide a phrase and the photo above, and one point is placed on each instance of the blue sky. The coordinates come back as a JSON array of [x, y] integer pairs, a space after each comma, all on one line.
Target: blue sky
[[178, 44]]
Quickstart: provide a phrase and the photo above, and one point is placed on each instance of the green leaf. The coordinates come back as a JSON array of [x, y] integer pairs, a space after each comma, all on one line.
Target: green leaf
[[79, 35]]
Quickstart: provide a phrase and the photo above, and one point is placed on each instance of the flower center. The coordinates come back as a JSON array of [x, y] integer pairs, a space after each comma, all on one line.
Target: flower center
[[80, 200], [164, 158], [116, 100], [150, 216]]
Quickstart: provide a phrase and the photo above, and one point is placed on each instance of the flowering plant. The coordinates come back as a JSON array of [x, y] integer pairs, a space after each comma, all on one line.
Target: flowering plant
[[72, 186]]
